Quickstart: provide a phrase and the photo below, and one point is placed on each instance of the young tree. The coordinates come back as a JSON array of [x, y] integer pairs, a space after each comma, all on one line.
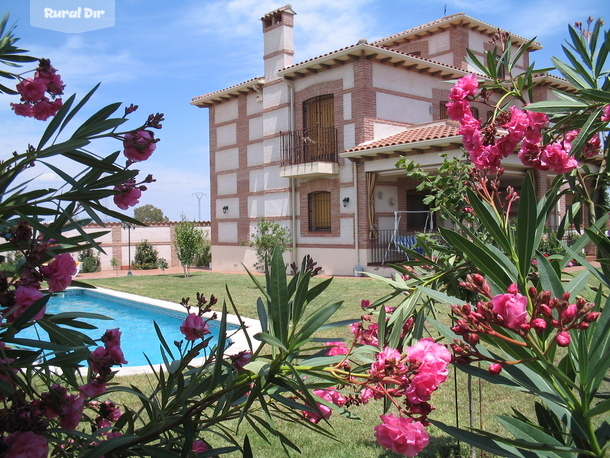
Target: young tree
[[269, 234], [188, 242], [146, 256], [149, 213]]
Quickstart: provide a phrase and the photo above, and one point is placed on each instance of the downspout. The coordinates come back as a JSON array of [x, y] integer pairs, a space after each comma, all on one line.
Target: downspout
[[356, 214], [293, 193]]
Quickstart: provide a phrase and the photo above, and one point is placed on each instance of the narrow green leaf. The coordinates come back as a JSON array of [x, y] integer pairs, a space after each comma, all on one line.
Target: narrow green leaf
[[279, 313], [527, 223], [316, 320], [271, 340], [548, 276]]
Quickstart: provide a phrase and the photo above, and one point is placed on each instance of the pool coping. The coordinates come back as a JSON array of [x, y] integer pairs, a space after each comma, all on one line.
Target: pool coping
[[238, 338]]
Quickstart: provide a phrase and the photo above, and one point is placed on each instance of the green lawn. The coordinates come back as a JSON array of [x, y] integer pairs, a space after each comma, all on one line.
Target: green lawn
[[355, 438]]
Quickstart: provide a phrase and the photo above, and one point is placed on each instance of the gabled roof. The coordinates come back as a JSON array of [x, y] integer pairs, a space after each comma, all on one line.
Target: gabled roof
[[446, 23], [371, 52], [419, 136], [206, 100]]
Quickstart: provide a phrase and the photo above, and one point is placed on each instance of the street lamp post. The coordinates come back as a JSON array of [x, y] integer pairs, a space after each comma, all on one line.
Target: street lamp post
[[129, 227]]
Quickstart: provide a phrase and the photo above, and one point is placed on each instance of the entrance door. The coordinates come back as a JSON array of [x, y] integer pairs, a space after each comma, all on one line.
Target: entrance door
[[319, 128]]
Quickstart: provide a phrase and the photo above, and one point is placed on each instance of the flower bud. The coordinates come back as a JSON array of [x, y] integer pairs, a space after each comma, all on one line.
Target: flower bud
[[546, 311], [471, 338], [583, 325], [495, 368], [591, 317], [569, 313], [512, 289], [539, 324], [564, 339]]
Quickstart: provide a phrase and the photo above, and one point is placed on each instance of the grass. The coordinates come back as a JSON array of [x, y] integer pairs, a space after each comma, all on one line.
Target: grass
[[355, 437]]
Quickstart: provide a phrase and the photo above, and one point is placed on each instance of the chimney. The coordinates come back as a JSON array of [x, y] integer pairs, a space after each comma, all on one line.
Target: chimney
[[278, 42]]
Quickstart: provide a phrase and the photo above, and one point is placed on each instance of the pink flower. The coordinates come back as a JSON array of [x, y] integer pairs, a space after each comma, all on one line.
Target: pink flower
[[241, 359], [128, 197], [60, 272], [71, 411], [510, 309], [421, 388], [606, 116], [139, 145], [464, 87], [458, 109], [486, 157], [388, 362], [28, 444], [25, 296], [564, 339], [401, 435], [194, 327], [22, 109], [112, 338], [337, 348], [432, 357], [44, 109], [199, 447], [569, 313], [32, 90], [556, 157], [93, 388]]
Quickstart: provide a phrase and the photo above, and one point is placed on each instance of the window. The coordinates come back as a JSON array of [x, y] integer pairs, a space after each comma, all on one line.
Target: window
[[319, 211], [319, 128], [415, 203], [443, 110]]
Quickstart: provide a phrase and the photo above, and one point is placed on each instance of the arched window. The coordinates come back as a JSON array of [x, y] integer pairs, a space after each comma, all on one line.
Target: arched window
[[318, 207]]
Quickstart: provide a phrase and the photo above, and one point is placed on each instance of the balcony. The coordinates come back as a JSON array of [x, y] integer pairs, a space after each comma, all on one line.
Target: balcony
[[309, 152]]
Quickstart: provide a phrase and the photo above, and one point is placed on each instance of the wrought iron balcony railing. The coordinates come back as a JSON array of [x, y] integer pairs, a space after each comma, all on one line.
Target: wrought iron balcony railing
[[317, 144]]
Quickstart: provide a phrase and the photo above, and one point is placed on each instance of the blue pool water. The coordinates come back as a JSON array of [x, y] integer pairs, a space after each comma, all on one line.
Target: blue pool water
[[134, 319]]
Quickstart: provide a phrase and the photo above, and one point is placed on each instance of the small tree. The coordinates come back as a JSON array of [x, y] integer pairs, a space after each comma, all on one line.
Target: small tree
[[149, 213], [188, 243], [269, 234], [162, 263], [146, 256], [115, 263]]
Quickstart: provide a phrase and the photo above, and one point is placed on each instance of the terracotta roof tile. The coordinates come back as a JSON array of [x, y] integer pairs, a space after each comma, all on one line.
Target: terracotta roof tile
[[416, 133]]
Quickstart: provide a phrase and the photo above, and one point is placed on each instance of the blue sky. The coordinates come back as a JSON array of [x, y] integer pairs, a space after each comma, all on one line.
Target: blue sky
[[159, 55]]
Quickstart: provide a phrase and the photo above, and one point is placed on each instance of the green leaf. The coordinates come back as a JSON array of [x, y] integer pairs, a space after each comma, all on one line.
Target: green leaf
[[278, 310], [527, 432], [548, 277], [317, 320], [271, 340], [490, 221], [527, 224]]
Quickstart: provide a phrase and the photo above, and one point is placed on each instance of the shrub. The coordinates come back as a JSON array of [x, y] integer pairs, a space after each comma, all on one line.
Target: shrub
[[90, 262], [269, 234], [146, 256]]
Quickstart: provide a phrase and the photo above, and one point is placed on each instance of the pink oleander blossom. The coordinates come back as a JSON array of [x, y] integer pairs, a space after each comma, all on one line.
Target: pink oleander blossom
[[128, 197], [60, 272], [606, 114], [139, 145], [22, 109], [336, 348], [194, 327], [401, 435], [199, 447], [458, 110], [112, 338], [422, 386], [32, 90], [464, 87], [388, 362], [44, 109], [432, 358], [510, 309], [94, 388], [25, 296], [26, 444], [556, 157], [241, 359]]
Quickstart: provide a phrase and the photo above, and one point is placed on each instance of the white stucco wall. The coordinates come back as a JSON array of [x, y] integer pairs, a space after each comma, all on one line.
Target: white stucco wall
[[383, 130], [254, 154], [402, 109], [226, 135], [271, 205], [267, 179], [276, 121], [255, 128], [254, 104], [399, 80], [439, 43], [226, 159], [226, 111], [226, 184], [227, 232]]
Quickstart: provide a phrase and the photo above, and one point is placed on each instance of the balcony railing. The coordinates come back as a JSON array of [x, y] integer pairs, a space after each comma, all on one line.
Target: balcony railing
[[309, 145]]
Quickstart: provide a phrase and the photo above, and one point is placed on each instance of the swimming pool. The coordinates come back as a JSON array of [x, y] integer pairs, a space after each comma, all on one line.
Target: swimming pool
[[134, 316]]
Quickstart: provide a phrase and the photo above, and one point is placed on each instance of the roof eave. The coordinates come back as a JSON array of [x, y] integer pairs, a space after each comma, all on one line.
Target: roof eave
[[404, 147], [222, 95]]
